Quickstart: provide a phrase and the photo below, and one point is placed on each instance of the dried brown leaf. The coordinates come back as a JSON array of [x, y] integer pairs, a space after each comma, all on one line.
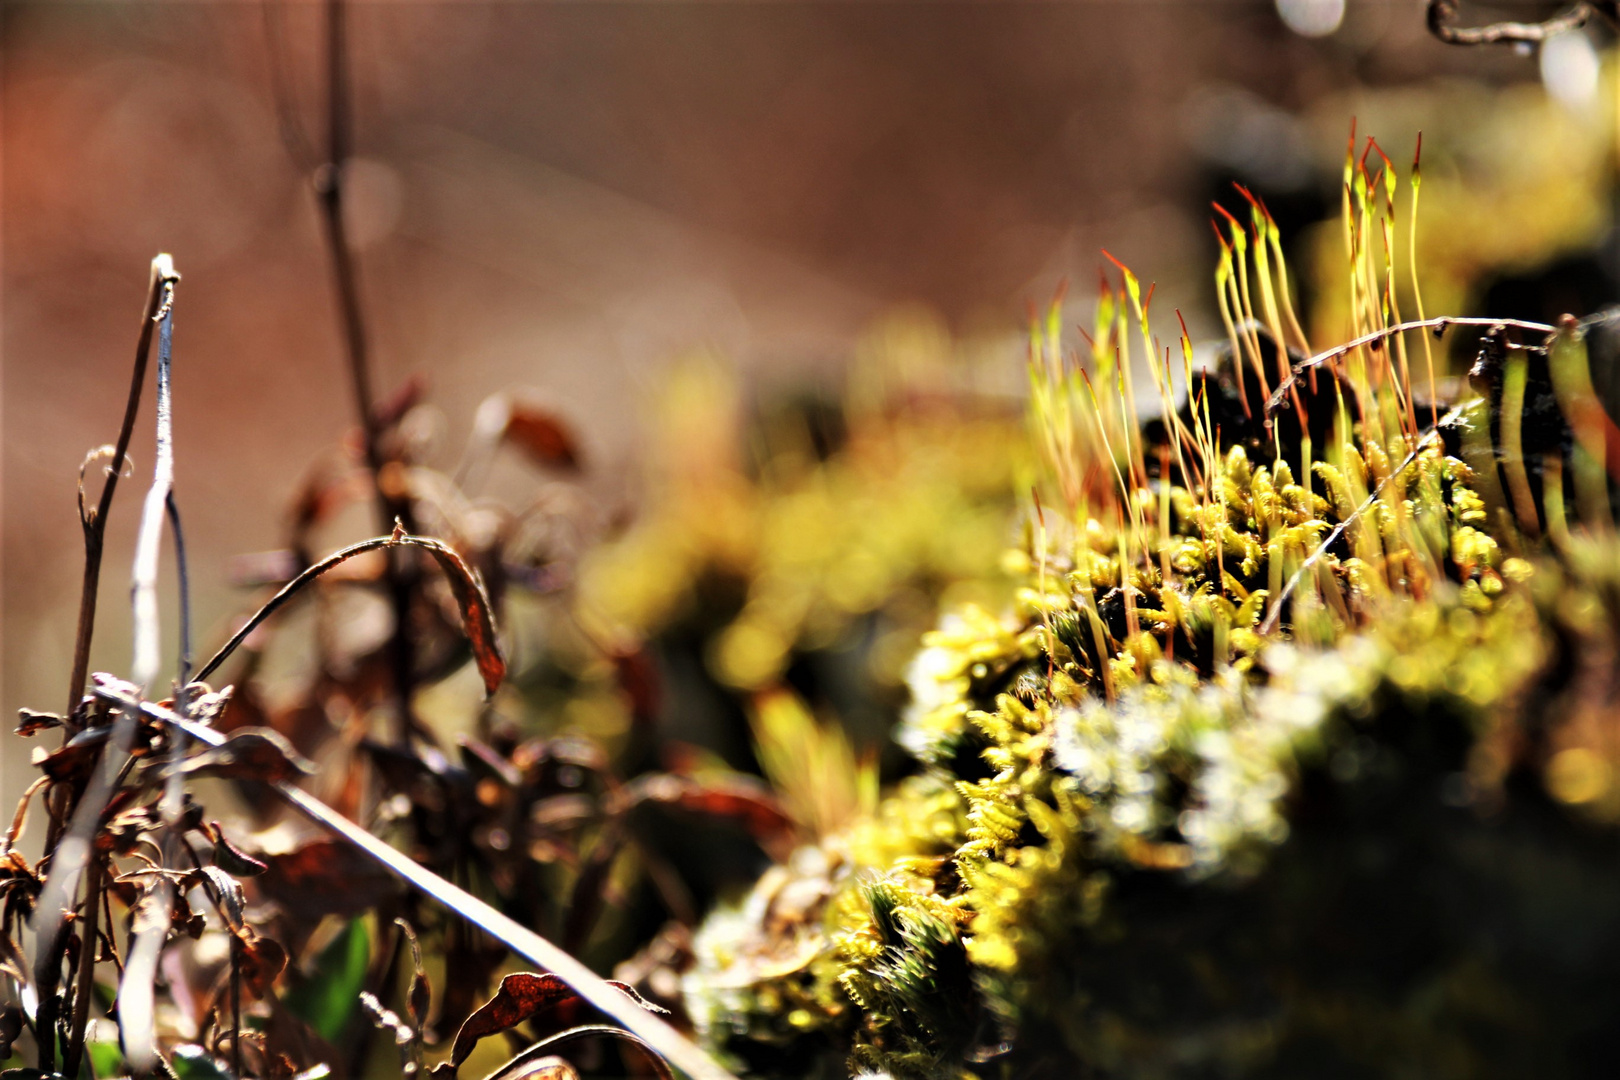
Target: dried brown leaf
[[231, 858], [251, 754], [226, 892], [326, 877], [477, 616], [260, 961], [526, 996], [73, 760], [543, 436], [739, 797], [30, 722]]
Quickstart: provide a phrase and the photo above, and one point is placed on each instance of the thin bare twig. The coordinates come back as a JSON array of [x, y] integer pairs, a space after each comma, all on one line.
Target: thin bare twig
[[1438, 325], [482, 627], [183, 581], [1443, 13], [346, 280], [148, 542], [656, 1033], [94, 523]]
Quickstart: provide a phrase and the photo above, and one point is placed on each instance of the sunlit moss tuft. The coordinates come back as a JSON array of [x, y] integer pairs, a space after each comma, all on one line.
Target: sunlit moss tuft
[[1260, 679]]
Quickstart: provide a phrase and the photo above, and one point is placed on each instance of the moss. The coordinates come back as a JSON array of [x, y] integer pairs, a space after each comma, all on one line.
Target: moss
[[1279, 764]]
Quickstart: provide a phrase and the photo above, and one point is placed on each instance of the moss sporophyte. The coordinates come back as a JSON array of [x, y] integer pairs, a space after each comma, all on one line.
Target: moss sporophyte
[[1304, 693]]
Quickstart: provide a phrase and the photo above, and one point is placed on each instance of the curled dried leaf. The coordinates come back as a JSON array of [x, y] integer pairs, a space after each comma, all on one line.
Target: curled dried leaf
[[30, 722], [326, 877], [543, 436], [73, 760], [739, 797], [522, 997], [477, 615], [225, 891], [260, 960], [229, 857], [250, 754]]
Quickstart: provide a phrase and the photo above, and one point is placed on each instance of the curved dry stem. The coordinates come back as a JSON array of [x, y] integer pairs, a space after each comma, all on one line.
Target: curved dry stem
[[477, 614], [1438, 325], [1443, 13], [513, 1070]]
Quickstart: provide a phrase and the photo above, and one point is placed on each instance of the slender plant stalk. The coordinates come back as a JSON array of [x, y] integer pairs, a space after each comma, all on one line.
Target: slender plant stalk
[[236, 1006], [94, 523], [1412, 265], [71, 851], [391, 506], [183, 581], [84, 980], [1511, 427], [136, 993], [1439, 325], [398, 538]]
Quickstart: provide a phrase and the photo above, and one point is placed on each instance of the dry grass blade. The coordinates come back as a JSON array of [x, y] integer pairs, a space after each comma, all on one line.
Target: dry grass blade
[[478, 619], [646, 1028]]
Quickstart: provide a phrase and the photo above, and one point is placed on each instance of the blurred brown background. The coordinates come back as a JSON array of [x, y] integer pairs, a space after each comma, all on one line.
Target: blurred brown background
[[567, 196]]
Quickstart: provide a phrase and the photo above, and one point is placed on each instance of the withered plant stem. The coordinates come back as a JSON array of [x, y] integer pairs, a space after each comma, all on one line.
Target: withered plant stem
[[345, 279], [84, 980], [398, 538], [1443, 13], [1438, 324], [643, 1025], [236, 1006], [182, 575], [136, 989], [94, 524], [75, 809]]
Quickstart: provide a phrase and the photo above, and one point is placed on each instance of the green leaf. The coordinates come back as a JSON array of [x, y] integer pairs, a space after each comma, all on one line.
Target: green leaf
[[106, 1059], [328, 999], [192, 1062]]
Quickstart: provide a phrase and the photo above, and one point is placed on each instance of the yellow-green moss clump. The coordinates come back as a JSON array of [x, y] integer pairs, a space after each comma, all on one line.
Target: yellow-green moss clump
[[1288, 760]]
